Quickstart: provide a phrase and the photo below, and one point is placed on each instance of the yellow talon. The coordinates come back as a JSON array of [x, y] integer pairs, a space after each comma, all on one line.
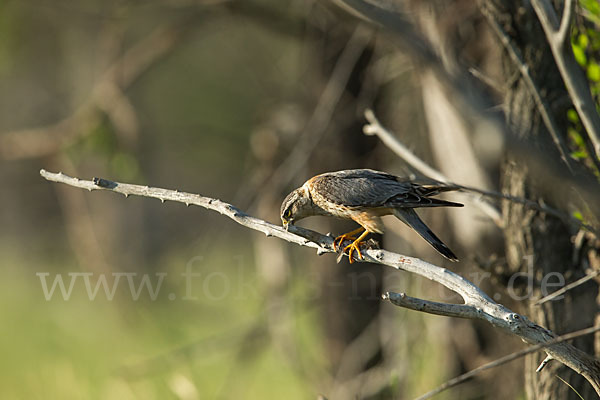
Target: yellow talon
[[350, 235], [356, 246], [340, 240], [352, 247]]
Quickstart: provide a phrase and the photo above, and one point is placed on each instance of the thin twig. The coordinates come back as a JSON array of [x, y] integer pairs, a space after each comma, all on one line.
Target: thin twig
[[503, 360], [366, 384], [375, 128], [570, 387], [541, 105], [106, 94], [295, 234], [349, 379], [488, 81], [481, 305], [573, 76], [469, 101], [570, 286], [317, 125], [543, 364], [564, 31]]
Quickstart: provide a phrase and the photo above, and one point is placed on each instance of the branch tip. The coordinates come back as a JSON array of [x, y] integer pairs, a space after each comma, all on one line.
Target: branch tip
[[369, 130], [543, 363]]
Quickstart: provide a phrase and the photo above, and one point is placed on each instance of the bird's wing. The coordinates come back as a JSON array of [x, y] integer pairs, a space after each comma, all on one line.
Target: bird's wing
[[369, 188], [414, 198], [355, 188]]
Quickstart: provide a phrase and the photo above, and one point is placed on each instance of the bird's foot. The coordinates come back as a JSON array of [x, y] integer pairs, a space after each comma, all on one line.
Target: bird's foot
[[354, 246], [337, 242]]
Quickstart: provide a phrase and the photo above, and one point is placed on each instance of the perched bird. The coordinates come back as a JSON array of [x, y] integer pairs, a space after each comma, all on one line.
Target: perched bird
[[365, 195]]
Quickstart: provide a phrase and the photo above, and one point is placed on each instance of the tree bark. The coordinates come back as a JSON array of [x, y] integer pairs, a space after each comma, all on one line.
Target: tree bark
[[537, 244]]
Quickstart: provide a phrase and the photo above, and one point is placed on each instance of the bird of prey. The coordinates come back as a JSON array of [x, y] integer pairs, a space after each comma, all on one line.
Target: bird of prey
[[365, 195]]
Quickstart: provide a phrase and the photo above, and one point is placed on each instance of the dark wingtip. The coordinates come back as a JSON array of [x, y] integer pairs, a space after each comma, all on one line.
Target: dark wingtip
[[454, 259], [411, 218], [444, 250], [442, 203]]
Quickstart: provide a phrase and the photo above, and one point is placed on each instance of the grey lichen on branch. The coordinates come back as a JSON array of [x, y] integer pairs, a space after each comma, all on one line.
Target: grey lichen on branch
[[477, 305]]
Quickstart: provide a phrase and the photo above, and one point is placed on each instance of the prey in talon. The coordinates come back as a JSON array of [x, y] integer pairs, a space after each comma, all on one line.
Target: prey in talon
[[364, 196]]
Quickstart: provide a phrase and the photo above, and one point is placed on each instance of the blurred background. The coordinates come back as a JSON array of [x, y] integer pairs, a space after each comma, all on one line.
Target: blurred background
[[241, 101]]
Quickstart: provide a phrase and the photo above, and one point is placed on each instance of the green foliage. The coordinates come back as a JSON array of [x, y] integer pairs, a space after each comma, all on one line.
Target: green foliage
[[580, 44], [585, 41], [593, 71], [591, 10]]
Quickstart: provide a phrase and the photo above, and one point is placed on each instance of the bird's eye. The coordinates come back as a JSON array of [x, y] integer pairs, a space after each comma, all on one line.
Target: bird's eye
[[287, 214]]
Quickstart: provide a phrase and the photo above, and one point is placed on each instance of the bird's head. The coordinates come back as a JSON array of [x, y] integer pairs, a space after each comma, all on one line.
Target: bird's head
[[297, 205]]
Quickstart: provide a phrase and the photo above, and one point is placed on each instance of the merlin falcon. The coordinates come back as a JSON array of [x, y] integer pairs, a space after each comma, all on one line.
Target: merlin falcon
[[364, 196]]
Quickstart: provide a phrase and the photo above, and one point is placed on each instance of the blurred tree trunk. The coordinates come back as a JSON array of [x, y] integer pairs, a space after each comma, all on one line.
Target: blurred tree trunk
[[539, 244], [351, 291], [536, 245]]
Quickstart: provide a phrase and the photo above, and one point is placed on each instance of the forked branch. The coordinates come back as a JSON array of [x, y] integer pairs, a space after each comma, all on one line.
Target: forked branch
[[557, 32], [374, 127], [477, 305]]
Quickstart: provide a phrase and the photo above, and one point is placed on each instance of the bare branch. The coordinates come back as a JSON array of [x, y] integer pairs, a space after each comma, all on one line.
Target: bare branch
[[572, 74], [431, 307], [483, 307], [570, 286], [543, 364], [366, 384], [354, 363], [106, 95], [316, 127], [508, 358], [541, 105], [486, 79], [541, 165], [473, 101], [400, 24], [564, 30], [375, 128], [298, 235]]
